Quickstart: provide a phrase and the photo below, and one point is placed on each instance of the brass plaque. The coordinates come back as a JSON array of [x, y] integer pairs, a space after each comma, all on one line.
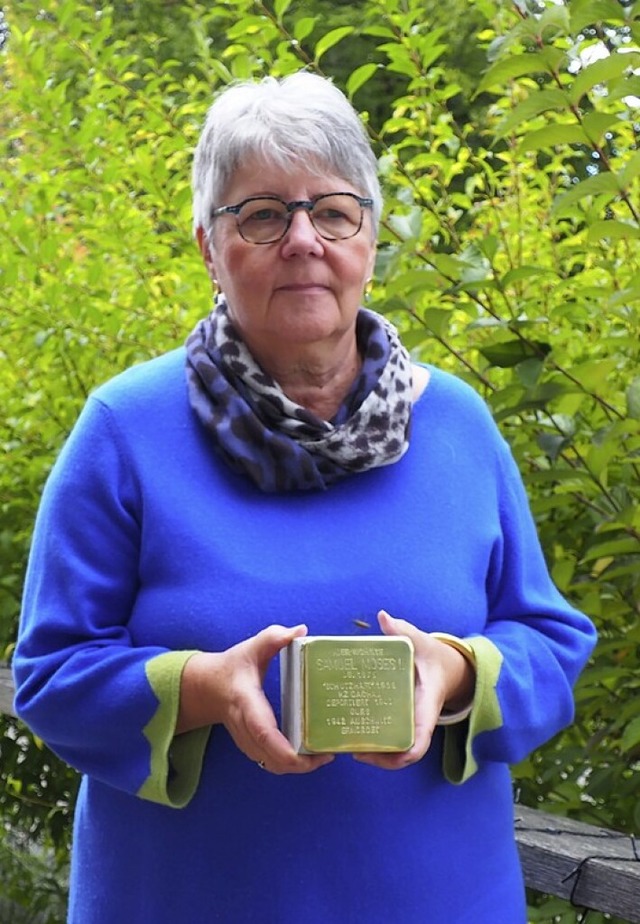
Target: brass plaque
[[348, 694]]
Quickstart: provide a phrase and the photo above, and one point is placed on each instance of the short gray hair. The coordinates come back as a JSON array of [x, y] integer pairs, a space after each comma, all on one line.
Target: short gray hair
[[299, 119]]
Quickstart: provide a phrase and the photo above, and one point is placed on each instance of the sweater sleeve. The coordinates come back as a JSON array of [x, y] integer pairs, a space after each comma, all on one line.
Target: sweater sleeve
[[531, 653], [104, 704]]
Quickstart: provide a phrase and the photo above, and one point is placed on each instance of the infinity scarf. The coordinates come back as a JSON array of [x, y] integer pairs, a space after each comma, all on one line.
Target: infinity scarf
[[280, 445]]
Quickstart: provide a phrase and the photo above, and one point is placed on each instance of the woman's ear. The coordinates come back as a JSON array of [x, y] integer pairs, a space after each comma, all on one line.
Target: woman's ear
[[206, 251]]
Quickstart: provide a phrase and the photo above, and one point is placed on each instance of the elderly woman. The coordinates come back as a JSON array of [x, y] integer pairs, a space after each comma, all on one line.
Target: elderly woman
[[291, 470]]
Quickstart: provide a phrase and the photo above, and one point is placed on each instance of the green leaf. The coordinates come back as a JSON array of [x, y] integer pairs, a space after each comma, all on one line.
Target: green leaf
[[552, 444], [562, 573], [613, 230], [247, 26], [523, 406], [303, 28], [529, 371], [553, 22], [626, 86], [552, 135], [415, 337], [449, 266], [589, 12], [603, 183], [570, 479], [595, 124], [474, 261], [519, 66], [602, 71], [280, 7], [407, 227], [626, 295], [630, 171], [599, 456], [400, 59], [593, 374], [437, 320], [379, 32], [476, 272], [473, 281], [488, 247], [631, 735], [242, 66], [511, 352], [520, 273], [633, 399], [535, 104], [612, 548], [414, 281], [330, 39], [359, 77]]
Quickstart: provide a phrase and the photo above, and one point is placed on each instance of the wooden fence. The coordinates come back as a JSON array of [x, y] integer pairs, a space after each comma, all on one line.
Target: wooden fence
[[592, 867], [6, 691]]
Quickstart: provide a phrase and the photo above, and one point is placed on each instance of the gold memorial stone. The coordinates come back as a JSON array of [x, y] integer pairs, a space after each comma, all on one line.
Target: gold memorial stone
[[348, 693]]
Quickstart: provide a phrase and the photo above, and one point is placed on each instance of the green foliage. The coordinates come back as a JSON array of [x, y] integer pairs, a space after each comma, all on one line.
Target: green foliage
[[34, 883], [509, 253]]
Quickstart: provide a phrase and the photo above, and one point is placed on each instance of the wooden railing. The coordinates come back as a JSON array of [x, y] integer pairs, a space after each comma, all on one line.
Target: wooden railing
[[592, 867], [6, 691]]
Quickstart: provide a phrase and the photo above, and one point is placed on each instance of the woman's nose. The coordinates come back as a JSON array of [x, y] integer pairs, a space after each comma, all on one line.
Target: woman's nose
[[301, 236]]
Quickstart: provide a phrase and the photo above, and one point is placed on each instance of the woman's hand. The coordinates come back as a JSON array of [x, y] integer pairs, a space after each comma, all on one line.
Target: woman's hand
[[226, 688], [443, 677]]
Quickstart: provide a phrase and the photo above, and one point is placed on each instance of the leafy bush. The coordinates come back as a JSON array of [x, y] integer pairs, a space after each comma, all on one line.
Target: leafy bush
[[509, 253]]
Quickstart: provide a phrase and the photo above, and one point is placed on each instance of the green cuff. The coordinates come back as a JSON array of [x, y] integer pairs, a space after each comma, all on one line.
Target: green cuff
[[176, 760], [459, 763]]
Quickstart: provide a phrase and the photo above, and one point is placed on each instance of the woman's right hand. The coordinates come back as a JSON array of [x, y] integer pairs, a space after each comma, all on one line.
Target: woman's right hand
[[226, 688]]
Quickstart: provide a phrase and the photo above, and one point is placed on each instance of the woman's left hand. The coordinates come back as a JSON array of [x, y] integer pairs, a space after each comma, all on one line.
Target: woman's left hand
[[443, 677]]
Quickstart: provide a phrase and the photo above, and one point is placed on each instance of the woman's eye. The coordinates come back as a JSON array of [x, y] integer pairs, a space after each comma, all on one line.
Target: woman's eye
[[330, 215], [265, 215]]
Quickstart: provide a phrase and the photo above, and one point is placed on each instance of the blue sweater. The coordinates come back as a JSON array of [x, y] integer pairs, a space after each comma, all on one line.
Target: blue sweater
[[147, 547]]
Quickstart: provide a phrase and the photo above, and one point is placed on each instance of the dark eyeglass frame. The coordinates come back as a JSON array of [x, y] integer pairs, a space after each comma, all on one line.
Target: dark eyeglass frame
[[295, 205]]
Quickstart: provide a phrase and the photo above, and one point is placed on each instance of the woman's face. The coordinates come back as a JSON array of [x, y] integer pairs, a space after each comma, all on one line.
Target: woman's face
[[301, 289]]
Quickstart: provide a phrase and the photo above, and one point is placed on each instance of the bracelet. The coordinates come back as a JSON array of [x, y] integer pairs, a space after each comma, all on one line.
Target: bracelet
[[453, 641], [467, 652]]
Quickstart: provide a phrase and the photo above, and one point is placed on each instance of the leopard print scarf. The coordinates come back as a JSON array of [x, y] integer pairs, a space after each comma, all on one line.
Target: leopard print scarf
[[277, 443]]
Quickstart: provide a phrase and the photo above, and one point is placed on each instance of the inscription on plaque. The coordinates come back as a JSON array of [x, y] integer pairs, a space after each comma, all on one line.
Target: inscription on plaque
[[348, 694]]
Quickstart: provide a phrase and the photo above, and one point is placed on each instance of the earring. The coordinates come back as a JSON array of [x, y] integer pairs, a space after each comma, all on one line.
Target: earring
[[368, 289]]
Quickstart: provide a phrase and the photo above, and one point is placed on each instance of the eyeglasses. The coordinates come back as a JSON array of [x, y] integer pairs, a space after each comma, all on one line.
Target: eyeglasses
[[266, 219]]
